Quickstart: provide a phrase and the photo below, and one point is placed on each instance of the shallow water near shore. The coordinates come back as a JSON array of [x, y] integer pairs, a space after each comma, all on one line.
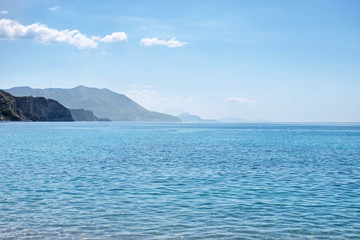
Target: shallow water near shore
[[112, 180]]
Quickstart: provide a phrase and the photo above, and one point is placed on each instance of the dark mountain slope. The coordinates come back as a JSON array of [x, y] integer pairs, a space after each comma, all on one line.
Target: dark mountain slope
[[31, 109]]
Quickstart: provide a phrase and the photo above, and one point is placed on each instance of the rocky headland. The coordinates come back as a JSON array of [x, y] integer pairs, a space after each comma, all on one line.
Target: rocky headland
[[31, 109], [83, 115]]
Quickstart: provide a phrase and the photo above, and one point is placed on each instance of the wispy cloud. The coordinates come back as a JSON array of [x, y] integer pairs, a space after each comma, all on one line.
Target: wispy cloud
[[54, 8], [10, 29], [4, 12], [192, 99], [135, 85], [148, 42], [145, 94], [238, 99], [155, 100]]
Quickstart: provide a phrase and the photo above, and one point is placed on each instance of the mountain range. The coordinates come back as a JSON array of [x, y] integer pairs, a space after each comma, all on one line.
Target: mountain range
[[187, 117], [104, 103]]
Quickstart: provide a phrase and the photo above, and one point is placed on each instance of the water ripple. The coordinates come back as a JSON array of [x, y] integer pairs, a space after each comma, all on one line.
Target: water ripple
[[179, 181]]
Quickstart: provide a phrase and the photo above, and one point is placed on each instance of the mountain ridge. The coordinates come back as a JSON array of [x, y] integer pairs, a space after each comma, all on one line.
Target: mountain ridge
[[103, 102]]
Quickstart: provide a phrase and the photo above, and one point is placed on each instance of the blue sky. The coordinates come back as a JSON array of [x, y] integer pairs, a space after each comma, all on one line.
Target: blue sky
[[274, 60]]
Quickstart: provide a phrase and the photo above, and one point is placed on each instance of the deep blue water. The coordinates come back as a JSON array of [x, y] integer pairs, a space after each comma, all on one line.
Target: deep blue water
[[179, 181]]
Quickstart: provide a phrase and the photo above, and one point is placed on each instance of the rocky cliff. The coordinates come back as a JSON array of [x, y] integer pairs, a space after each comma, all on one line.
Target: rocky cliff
[[8, 110], [83, 115], [31, 109]]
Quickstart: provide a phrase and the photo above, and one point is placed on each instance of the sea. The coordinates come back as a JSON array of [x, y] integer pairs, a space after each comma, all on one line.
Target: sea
[[122, 180]]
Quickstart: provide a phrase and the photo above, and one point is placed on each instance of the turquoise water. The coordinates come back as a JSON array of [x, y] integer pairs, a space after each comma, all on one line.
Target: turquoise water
[[179, 181]]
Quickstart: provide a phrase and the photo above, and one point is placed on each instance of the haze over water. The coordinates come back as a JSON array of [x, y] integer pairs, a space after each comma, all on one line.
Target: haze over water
[[179, 181]]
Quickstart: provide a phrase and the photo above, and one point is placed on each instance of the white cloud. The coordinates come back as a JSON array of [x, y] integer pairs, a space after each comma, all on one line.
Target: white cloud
[[237, 99], [4, 12], [54, 8], [148, 42], [114, 37], [10, 29]]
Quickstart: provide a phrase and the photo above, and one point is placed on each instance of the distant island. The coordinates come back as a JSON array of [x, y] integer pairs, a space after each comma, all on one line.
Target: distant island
[[187, 117], [190, 118], [104, 104]]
